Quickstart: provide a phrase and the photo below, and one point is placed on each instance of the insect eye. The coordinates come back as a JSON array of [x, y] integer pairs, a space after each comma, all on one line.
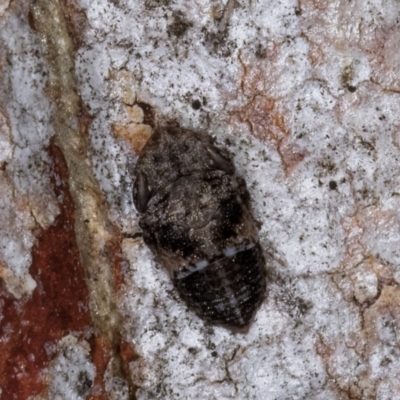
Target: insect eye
[[220, 162], [141, 193]]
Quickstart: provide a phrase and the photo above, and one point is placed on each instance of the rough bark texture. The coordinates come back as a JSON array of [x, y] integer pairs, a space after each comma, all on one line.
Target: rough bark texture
[[97, 238]]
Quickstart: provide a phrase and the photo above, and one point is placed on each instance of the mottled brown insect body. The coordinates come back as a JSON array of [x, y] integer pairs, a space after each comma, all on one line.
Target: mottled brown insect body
[[196, 219]]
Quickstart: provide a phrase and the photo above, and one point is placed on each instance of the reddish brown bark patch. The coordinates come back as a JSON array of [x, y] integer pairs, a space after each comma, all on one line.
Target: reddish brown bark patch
[[76, 21], [290, 155], [59, 304], [118, 263], [263, 118], [101, 354]]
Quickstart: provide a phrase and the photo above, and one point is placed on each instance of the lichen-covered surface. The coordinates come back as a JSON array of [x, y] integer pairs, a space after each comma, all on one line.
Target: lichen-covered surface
[[305, 95]]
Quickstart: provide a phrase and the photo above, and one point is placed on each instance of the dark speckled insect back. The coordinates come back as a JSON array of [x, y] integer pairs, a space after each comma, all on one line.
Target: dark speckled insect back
[[195, 217]]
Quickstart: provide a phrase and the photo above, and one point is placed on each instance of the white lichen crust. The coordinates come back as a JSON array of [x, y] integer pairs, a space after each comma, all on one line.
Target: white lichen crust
[[27, 200], [306, 96]]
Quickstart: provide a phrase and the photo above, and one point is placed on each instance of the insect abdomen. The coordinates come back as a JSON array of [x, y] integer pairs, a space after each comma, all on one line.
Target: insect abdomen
[[228, 291]]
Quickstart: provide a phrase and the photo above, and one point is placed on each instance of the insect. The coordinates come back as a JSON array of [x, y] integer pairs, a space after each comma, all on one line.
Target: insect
[[196, 219]]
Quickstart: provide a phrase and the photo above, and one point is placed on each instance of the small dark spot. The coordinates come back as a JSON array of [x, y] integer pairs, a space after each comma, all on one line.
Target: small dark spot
[[260, 51], [154, 4], [297, 11], [31, 20], [133, 236], [214, 354], [192, 350], [332, 185], [86, 221], [386, 361], [196, 105], [347, 76], [217, 42], [303, 306], [84, 383], [148, 112], [210, 345], [351, 88], [179, 25], [230, 215], [174, 238]]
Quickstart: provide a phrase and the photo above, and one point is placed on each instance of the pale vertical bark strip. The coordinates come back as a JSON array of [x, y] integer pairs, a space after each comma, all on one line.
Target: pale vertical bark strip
[[94, 233]]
